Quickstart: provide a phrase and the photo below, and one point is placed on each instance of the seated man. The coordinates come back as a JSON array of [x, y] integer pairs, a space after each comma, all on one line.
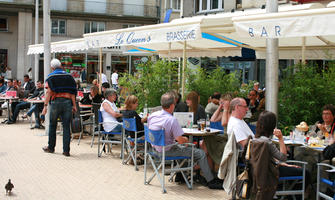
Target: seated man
[[252, 102], [213, 105], [28, 86], [23, 105], [236, 125], [238, 132], [164, 119]]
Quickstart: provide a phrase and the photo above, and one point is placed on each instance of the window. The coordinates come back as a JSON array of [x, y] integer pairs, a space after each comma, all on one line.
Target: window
[[58, 5], [175, 4], [130, 25], [95, 6], [209, 5], [58, 27], [3, 24], [91, 27]]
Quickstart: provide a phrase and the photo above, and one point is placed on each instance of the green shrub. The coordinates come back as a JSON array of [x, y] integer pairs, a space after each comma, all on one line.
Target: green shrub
[[303, 94], [149, 83], [206, 83]]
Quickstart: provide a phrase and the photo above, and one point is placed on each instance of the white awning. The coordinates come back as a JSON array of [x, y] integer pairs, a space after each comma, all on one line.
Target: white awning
[[144, 35], [59, 47], [302, 23]]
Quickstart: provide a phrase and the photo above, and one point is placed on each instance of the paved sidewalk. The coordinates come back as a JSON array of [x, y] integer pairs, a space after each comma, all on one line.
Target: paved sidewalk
[[38, 175]]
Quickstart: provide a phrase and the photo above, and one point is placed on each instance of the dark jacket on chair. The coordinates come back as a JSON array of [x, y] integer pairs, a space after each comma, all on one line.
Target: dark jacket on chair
[[265, 174]]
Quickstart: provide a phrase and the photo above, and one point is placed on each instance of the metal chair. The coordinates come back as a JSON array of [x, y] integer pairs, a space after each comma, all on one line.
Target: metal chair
[[105, 137], [289, 182], [329, 183], [217, 125], [95, 108], [252, 128], [129, 124], [88, 122], [158, 160]]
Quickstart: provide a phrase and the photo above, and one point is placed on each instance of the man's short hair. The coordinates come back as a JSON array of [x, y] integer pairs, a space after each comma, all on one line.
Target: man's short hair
[[26, 76], [109, 92], [55, 63], [216, 96], [40, 81], [106, 85], [236, 101], [167, 99]]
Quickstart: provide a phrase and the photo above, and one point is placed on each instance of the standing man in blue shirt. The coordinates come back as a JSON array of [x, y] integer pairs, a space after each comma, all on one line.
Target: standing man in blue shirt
[[61, 100]]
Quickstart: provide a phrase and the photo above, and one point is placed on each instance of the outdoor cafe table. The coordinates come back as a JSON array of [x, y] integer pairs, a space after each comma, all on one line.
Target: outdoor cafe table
[[194, 132], [295, 143], [7, 99]]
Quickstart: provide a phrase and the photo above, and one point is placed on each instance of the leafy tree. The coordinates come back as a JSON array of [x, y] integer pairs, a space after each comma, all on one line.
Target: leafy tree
[[206, 83], [149, 83], [303, 94]]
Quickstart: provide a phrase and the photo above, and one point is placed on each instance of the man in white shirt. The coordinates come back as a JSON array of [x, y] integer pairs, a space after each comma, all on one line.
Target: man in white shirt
[[103, 78], [115, 79], [236, 124]]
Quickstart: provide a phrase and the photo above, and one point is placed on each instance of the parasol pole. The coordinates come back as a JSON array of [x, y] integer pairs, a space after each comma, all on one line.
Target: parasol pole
[[303, 51], [100, 69], [183, 75]]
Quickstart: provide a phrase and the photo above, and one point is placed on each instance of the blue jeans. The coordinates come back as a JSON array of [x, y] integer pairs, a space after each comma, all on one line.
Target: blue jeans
[[60, 108], [36, 108]]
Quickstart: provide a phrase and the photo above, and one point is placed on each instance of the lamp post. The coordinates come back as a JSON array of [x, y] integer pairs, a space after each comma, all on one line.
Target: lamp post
[[46, 37], [36, 42]]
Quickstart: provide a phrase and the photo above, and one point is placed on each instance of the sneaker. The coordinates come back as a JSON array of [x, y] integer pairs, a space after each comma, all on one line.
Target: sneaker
[[25, 116]]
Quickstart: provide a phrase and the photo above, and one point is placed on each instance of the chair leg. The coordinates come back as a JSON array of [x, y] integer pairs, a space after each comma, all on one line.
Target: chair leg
[[93, 133], [99, 138]]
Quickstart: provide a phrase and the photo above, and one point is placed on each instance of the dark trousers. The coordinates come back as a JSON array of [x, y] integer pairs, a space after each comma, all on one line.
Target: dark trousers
[[60, 108], [18, 107]]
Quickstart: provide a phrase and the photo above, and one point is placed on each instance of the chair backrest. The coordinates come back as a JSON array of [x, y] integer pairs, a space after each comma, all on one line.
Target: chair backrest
[[155, 137], [129, 124], [253, 128], [100, 120], [217, 125]]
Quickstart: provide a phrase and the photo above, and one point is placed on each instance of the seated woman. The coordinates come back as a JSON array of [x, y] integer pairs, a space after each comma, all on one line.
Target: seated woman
[[192, 101], [322, 129], [326, 126], [110, 112], [93, 97], [263, 166], [215, 144], [131, 104]]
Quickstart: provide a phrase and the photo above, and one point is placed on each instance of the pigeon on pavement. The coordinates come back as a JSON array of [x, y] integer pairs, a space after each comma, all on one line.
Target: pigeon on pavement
[[9, 186]]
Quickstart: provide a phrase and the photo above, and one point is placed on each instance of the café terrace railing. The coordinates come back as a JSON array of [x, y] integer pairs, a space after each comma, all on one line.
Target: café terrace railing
[[102, 7]]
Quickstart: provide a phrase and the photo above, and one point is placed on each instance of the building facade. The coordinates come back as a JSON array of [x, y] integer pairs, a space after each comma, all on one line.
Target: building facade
[[70, 19]]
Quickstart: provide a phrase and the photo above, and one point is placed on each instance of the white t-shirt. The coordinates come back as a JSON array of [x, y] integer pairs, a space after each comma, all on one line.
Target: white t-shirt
[[115, 77], [108, 117], [239, 128], [103, 78]]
